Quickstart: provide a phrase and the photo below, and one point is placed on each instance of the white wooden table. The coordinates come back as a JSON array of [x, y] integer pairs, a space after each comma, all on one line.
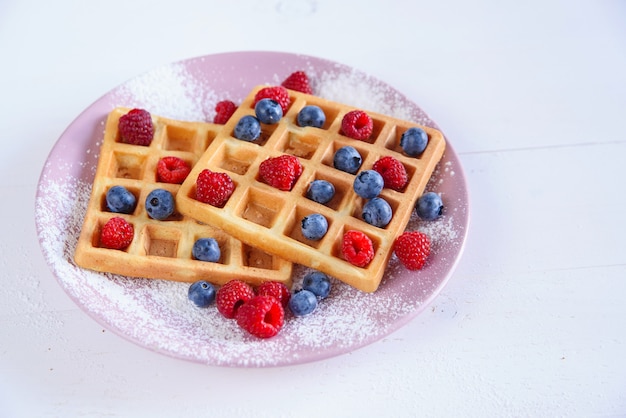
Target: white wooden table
[[532, 96]]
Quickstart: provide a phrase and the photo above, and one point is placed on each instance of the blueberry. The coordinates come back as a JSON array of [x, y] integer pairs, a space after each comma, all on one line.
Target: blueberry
[[314, 226], [303, 303], [414, 141], [429, 206], [377, 212], [201, 293], [159, 204], [311, 115], [268, 111], [347, 159], [318, 283], [320, 191], [206, 249], [120, 200], [368, 184], [248, 128]]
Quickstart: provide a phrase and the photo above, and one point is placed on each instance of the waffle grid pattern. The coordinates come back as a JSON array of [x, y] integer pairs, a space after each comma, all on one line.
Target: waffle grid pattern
[[163, 249], [269, 219]]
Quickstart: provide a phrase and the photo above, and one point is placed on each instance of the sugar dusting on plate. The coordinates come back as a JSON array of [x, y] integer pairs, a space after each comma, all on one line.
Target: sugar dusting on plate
[[157, 313], [168, 91]]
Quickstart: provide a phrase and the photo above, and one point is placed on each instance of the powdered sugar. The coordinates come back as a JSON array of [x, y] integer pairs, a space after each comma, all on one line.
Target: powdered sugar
[[366, 93], [168, 91], [157, 314]]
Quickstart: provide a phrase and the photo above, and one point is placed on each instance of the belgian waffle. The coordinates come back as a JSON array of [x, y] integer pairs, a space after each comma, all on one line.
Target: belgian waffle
[[163, 249], [270, 219]]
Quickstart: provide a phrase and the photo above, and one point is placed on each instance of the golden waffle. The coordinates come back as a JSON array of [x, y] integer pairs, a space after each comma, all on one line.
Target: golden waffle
[[163, 249], [270, 219]]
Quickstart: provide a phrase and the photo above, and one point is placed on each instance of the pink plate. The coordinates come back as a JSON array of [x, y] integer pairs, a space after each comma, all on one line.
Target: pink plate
[[156, 314]]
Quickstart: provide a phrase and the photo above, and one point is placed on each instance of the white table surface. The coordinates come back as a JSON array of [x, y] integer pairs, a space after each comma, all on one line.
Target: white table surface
[[532, 95]]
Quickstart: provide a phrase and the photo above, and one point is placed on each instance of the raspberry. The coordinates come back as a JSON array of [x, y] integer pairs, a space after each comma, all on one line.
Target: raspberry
[[214, 188], [276, 93], [276, 290], [261, 316], [116, 234], [357, 248], [298, 81], [280, 172], [393, 172], [136, 127], [357, 124], [412, 249], [232, 296], [172, 170], [224, 110]]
